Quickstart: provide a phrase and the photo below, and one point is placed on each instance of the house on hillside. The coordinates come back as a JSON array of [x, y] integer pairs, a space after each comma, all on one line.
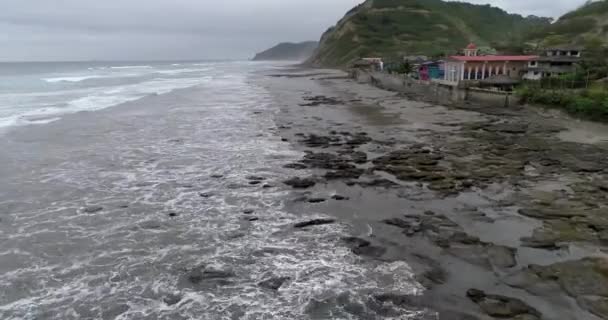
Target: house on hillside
[[474, 67], [553, 63]]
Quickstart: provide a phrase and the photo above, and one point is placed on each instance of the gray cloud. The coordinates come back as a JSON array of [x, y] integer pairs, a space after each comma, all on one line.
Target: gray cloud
[[180, 29]]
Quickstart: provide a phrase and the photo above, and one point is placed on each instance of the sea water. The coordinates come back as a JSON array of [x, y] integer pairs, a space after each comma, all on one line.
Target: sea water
[[120, 179]]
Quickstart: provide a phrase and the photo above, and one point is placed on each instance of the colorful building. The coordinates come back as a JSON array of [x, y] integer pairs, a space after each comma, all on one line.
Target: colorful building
[[430, 70], [472, 66]]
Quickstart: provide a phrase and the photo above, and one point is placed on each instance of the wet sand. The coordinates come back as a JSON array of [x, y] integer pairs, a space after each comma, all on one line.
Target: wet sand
[[501, 213]]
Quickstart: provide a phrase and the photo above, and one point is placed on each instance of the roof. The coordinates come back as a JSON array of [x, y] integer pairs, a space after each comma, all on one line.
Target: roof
[[492, 58], [426, 63], [471, 46]]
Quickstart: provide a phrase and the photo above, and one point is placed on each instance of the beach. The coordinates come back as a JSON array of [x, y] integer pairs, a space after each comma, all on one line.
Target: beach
[[501, 212], [277, 192]]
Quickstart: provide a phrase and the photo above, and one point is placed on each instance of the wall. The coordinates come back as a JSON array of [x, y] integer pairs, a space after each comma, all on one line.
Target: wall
[[434, 92], [490, 97]]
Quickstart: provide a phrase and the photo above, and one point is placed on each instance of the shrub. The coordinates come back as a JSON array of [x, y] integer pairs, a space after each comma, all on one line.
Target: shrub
[[591, 103]]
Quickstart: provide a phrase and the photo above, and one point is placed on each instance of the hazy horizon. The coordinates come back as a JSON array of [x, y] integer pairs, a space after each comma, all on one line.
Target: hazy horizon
[[184, 30]]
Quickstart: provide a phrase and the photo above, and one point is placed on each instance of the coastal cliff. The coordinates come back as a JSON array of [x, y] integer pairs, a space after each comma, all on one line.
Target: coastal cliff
[[288, 51], [393, 28]]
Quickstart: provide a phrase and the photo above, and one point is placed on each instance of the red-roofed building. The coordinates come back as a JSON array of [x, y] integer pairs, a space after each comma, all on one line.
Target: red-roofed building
[[472, 66]]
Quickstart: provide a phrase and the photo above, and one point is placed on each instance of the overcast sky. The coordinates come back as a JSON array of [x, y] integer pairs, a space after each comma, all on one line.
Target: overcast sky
[[44, 30]]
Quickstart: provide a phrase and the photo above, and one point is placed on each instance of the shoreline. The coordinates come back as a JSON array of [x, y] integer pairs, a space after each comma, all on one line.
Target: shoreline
[[487, 205]]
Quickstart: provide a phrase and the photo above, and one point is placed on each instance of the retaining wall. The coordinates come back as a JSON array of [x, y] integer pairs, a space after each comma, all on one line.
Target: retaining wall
[[434, 91]]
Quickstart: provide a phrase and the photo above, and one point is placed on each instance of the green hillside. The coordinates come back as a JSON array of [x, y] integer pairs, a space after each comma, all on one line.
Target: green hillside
[[587, 25], [406, 27]]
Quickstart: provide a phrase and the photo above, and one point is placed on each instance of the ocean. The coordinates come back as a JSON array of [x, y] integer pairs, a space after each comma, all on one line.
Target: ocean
[[42, 92], [144, 190]]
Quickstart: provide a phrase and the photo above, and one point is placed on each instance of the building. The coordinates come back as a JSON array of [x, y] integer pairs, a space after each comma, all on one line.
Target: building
[[378, 62], [371, 64], [473, 67], [430, 70], [553, 63]]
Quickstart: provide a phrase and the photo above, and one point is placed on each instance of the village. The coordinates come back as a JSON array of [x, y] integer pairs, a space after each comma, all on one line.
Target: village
[[491, 71], [570, 78]]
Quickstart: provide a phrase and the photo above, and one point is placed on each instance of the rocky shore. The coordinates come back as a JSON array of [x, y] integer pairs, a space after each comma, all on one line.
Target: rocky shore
[[501, 213]]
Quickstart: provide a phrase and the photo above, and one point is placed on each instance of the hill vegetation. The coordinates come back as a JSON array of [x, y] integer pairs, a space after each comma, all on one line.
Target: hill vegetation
[[288, 51], [585, 26], [393, 28]]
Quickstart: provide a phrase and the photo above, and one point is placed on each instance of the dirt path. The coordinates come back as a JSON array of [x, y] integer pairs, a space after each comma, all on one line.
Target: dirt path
[[501, 213]]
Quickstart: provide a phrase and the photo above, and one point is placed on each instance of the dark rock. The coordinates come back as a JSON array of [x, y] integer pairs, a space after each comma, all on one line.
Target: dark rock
[[315, 141], [501, 256], [540, 240], [354, 242], [549, 162], [296, 166], [205, 194], [255, 182], [217, 274], [252, 219], [92, 209], [273, 283], [316, 200], [248, 211], [172, 299], [595, 304], [327, 161], [255, 178], [464, 238], [339, 198], [548, 213], [398, 223], [501, 306], [353, 173], [173, 214], [315, 222], [436, 275], [369, 251], [300, 183], [150, 225], [320, 100], [586, 166], [359, 157], [379, 183], [201, 275], [267, 186], [359, 139], [217, 176]]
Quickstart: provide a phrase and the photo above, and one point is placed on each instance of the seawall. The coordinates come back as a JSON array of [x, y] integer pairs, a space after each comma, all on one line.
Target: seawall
[[436, 92]]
